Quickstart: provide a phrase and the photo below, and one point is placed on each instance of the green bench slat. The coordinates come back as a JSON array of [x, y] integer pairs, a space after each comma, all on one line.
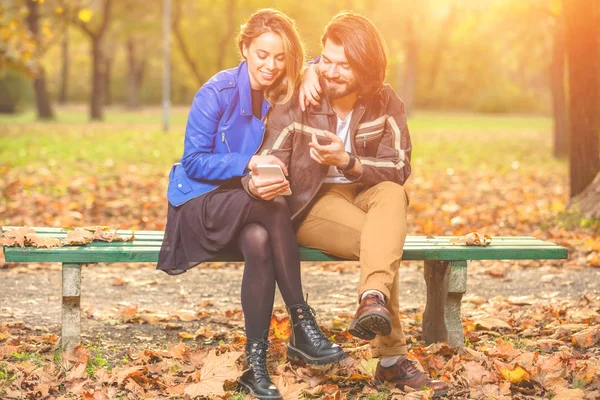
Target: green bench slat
[[146, 246], [408, 244], [124, 253]]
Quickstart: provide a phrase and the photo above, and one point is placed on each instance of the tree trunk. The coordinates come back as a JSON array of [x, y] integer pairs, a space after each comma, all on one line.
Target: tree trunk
[[185, 52], [97, 97], [107, 76], [410, 72], [588, 201], [42, 100], [557, 89], [224, 43], [132, 88], [135, 74], [64, 68], [584, 116], [442, 44], [98, 61]]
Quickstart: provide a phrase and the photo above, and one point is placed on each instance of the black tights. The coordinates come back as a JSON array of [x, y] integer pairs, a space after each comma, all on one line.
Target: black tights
[[270, 251]]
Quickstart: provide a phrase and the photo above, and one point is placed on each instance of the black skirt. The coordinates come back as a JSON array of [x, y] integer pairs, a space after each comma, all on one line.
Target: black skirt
[[203, 227]]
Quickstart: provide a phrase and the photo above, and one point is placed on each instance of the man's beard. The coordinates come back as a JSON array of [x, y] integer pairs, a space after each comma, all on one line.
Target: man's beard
[[337, 89]]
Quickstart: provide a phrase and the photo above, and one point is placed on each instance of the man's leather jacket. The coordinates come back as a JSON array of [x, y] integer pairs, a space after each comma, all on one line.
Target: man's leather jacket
[[379, 139]]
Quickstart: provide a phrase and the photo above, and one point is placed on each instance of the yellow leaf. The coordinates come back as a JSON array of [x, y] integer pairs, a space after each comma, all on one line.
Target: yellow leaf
[[186, 335], [516, 375], [59, 10], [85, 15]]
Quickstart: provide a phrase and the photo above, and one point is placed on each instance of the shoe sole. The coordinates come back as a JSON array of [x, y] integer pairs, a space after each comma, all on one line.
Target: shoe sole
[[258, 396], [357, 331], [371, 324], [295, 354]]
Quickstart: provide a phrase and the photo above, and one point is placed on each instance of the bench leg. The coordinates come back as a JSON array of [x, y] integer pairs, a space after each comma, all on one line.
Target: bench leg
[[71, 311], [446, 283], [457, 287]]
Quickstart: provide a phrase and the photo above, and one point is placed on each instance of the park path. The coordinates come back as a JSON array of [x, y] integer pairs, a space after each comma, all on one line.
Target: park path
[[32, 294]]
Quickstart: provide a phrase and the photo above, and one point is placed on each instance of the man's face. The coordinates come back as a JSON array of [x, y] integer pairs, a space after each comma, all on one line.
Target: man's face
[[337, 77]]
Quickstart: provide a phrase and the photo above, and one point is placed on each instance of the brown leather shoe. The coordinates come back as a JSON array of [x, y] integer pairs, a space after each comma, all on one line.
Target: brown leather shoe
[[405, 373], [372, 318]]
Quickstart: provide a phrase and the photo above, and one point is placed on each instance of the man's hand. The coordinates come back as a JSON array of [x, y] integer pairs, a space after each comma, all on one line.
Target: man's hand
[[266, 189], [310, 88], [331, 154]]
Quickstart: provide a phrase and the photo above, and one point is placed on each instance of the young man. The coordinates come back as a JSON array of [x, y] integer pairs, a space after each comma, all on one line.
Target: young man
[[348, 157]]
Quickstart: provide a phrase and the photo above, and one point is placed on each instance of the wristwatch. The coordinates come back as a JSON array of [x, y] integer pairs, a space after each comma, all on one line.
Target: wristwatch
[[350, 165]]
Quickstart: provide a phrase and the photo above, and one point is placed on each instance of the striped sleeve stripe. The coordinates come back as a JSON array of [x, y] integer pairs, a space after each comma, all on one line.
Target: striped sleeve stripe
[[386, 164], [401, 153], [281, 138]]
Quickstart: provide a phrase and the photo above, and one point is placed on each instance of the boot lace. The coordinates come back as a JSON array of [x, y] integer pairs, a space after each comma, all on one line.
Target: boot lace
[[257, 358], [309, 324], [410, 368]]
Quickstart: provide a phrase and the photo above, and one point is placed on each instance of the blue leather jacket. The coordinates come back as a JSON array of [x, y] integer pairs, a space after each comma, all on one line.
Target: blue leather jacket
[[221, 136]]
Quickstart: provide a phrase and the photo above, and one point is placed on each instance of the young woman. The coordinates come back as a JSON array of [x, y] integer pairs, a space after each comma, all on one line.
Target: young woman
[[209, 211]]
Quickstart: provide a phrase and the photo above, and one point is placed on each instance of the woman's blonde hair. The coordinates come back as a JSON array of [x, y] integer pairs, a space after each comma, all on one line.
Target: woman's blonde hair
[[270, 20]]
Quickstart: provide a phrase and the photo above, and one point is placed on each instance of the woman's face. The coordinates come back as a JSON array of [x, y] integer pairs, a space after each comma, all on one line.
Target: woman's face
[[266, 59]]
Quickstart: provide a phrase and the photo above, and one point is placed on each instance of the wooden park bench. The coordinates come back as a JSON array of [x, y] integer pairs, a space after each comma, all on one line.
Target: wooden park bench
[[445, 271]]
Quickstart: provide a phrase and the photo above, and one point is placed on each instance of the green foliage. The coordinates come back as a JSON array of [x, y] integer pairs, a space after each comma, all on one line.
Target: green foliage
[[96, 361], [237, 396], [27, 356], [7, 375], [15, 92]]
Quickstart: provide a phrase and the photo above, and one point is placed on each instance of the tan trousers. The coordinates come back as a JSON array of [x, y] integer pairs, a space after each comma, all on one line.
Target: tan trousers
[[369, 226]]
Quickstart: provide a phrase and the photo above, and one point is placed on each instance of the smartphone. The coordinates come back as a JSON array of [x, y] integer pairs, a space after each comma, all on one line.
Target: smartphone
[[272, 171]]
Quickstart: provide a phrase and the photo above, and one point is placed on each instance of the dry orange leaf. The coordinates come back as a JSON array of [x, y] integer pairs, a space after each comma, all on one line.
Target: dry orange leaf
[[216, 370], [473, 239], [78, 237], [17, 237], [280, 326], [586, 338]]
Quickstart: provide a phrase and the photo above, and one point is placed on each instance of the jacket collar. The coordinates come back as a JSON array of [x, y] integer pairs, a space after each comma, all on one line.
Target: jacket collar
[[244, 89], [325, 108]]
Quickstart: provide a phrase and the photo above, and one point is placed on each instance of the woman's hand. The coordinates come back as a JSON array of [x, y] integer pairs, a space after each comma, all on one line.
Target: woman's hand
[[266, 189], [310, 88]]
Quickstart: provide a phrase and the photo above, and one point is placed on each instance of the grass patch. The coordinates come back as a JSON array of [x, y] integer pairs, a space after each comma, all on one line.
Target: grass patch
[[134, 143], [570, 219], [96, 361], [23, 356], [7, 376]]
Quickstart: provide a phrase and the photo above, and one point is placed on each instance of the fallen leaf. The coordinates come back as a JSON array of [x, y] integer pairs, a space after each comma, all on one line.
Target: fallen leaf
[[569, 394], [491, 323], [78, 237], [280, 326], [586, 338], [216, 370], [516, 375], [472, 239]]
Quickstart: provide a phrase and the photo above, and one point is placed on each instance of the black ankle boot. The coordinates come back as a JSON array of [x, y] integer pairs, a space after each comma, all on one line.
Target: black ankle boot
[[256, 378], [307, 342]]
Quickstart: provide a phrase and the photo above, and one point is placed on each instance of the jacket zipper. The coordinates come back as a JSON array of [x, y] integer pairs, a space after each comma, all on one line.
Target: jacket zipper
[[224, 140]]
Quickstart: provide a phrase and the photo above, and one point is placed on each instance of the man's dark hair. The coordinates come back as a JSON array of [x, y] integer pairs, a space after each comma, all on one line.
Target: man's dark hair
[[364, 47]]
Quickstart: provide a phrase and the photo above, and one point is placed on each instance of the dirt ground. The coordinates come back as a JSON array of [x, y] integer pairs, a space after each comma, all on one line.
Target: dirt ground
[[32, 294]]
